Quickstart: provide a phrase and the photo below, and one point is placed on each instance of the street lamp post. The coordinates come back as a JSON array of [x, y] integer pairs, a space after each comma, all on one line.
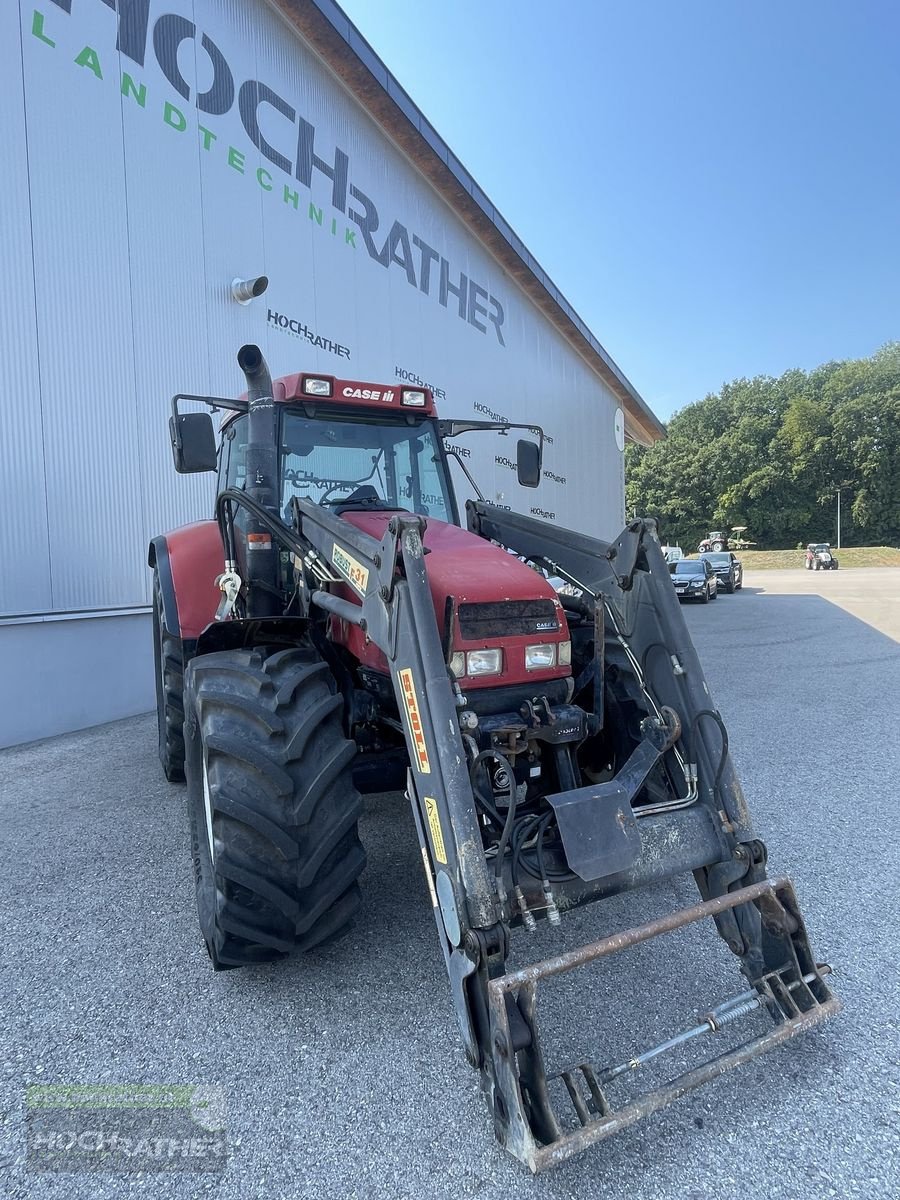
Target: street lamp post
[[839, 519]]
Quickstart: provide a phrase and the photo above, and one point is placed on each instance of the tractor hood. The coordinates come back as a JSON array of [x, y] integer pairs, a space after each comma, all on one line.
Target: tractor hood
[[491, 600], [464, 566]]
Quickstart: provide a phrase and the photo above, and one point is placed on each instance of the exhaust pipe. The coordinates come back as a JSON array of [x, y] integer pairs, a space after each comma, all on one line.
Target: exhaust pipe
[[262, 482], [245, 290]]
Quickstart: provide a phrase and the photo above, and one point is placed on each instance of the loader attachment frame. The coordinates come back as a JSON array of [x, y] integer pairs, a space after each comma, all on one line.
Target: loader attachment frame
[[625, 590], [795, 996]]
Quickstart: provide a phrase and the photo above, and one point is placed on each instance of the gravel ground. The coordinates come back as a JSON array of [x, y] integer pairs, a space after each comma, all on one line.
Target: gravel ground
[[343, 1071]]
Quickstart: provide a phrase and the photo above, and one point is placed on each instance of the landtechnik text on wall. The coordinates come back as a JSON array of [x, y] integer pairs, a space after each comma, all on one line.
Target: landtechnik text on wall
[[304, 156]]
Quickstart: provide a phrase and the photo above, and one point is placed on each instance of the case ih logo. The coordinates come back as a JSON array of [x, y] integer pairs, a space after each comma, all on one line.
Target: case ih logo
[[369, 394], [297, 153]]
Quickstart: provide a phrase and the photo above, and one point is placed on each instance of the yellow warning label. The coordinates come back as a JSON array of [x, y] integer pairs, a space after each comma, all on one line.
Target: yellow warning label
[[437, 834], [354, 572], [416, 732]]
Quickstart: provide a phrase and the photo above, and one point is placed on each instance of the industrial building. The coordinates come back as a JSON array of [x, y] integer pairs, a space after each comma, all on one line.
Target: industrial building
[[155, 154]]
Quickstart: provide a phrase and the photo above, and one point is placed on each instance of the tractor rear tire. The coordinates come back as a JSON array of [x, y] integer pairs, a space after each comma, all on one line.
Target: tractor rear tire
[[273, 808], [168, 660]]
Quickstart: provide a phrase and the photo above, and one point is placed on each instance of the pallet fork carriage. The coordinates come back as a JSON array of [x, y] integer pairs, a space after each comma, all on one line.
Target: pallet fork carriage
[[621, 597]]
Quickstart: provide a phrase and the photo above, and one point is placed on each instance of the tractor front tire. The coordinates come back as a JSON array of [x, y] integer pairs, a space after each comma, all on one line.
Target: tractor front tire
[[168, 661], [273, 809]]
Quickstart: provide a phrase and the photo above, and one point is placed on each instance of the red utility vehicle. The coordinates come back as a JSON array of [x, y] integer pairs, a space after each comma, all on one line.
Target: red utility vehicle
[[334, 630]]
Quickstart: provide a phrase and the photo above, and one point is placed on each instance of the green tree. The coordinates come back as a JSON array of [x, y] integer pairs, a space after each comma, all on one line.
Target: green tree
[[771, 454]]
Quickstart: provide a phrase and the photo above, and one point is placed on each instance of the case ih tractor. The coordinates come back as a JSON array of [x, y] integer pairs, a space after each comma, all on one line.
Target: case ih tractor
[[716, 541], [334, 630]]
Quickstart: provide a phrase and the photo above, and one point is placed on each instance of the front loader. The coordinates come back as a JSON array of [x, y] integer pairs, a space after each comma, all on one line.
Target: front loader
[[335, 630]]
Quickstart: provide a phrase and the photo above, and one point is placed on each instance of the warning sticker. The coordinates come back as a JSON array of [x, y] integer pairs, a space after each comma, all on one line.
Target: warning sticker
[[437, 834], [417, 733], [354, 572]]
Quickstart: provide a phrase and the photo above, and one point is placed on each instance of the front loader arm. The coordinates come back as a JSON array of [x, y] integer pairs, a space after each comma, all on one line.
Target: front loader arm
[[628, 580], [396, 612], [644, 634]]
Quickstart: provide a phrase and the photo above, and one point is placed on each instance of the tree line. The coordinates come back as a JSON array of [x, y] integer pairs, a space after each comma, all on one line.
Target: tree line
[[772, 454]]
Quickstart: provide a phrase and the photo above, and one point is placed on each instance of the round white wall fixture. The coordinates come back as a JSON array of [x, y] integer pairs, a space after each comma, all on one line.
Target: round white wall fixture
[[619, 427]]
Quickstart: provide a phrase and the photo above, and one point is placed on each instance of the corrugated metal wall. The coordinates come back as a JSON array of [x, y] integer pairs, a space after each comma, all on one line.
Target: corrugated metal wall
[[126, 214], [25, 581]]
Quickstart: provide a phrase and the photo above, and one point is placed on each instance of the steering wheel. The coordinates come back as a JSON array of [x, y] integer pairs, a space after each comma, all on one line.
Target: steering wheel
[[361, 495]]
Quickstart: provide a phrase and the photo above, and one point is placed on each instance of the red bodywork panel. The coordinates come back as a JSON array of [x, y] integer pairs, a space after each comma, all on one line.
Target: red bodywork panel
[[471, 570], [459, 565], [196, 558]]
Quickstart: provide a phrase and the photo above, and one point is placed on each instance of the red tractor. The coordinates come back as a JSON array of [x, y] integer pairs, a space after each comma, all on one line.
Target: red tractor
[[335, 630]]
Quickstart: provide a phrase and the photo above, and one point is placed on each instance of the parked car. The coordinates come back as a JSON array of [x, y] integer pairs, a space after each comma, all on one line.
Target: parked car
[[717, 540], [728, 570], [672, 553], [820, 558], [694, 579]]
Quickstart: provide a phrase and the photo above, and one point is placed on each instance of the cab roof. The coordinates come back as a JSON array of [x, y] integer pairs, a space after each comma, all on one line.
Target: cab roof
[[312, 387]]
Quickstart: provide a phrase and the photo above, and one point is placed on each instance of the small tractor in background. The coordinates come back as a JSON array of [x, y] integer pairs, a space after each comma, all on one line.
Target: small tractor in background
[[717, 540], [335, 630], [819, 557]]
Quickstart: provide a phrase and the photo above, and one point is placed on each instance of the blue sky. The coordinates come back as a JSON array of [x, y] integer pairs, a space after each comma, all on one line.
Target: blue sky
[[714, 184]]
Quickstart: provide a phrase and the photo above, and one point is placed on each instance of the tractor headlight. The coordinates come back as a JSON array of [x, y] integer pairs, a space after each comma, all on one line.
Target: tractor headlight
[[540, 657], [484, 662], [458, 664], [412, 398], [316, 387]]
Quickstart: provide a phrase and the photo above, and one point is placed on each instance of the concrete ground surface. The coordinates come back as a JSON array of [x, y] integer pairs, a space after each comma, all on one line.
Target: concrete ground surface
[[343, 1071]]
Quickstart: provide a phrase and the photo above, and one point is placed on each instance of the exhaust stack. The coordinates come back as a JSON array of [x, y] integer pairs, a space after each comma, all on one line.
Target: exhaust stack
[[262, 481]]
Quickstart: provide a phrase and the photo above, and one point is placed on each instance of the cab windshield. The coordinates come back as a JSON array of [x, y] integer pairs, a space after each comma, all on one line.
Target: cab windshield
[[687, 567], [364, 465]]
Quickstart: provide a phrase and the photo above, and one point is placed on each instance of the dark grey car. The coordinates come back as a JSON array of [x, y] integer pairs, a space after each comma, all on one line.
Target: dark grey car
[[694, 579], [728, 570]]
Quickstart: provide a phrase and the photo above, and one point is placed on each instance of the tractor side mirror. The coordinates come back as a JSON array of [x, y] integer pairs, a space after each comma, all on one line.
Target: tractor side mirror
[[193, 443], [528, 463]]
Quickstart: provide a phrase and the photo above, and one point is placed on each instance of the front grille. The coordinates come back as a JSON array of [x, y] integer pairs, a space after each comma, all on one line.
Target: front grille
[[504, 618]]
